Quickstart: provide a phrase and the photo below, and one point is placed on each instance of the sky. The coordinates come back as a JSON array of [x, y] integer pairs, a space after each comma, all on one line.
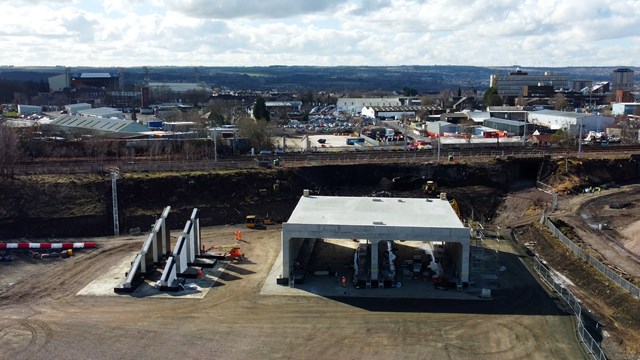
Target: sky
[[545, 33]]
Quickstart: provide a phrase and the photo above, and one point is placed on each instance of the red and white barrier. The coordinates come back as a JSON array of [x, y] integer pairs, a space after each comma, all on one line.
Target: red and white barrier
[[80, 245]]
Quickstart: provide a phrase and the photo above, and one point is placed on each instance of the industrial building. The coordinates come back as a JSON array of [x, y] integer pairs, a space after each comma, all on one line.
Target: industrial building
[[283, 105], [374, 222], [29, 109], [511, 127], [175, 92], [625, 109], [355, 105], [101, 112], [111, 128], [73, 109], [390, 112], [556, 120], [79, 80]]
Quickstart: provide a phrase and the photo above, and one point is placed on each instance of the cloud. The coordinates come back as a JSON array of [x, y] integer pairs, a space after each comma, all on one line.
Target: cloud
[[229, 9], [346, 32]]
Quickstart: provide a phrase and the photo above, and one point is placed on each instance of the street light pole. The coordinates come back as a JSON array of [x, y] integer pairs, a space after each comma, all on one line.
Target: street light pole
[[524, 133], [215, 146], [580, 140], [438, 141]]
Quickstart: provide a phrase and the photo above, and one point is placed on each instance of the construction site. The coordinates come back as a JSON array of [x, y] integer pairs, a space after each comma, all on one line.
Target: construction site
[[472, 260]]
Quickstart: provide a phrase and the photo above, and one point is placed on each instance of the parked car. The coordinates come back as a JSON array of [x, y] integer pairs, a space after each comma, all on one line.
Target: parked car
[[264, 152]]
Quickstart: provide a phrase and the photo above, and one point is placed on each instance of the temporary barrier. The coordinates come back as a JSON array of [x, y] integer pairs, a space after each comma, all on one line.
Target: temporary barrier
[[79, 245], [604, 269], [586, 340]]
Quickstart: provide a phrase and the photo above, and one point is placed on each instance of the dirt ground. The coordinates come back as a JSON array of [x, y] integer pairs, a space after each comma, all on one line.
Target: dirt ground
[[41, 317], [608, 223], [579, 216]]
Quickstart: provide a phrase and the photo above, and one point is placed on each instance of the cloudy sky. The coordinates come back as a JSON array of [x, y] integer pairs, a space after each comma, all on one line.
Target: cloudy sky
[[320, 32]]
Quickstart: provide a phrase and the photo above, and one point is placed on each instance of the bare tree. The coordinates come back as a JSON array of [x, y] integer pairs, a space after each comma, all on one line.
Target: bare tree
[[196, 97], [559, 101], [257, 132], [427, 100], [224, 111], [9, 150]]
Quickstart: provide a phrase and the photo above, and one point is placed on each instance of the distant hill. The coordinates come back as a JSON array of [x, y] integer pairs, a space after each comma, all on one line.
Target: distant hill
[[340, 78]]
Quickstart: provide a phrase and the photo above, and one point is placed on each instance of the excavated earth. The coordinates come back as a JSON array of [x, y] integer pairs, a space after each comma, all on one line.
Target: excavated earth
[[43, 318], [69, 206]]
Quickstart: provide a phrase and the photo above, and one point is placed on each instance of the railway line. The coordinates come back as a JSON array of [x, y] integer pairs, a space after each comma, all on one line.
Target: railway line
[[153, 164]]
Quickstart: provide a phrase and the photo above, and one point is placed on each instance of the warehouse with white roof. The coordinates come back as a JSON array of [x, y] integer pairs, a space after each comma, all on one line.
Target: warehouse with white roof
[[102, 112], [111, 128], [377, 220], [556, 120]]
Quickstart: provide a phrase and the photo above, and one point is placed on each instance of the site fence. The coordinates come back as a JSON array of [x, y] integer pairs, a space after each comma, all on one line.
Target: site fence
[[544, 187], [588, 343], [608, 272]]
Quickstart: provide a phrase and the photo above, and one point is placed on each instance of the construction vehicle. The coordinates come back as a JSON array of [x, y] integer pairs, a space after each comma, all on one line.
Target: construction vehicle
[[230, 252], [430, 188], [256, 222], [454, 205]]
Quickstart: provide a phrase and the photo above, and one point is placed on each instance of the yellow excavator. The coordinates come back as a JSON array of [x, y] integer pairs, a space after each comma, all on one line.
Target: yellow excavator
[[255, 222], [431, 188], [454, 205]]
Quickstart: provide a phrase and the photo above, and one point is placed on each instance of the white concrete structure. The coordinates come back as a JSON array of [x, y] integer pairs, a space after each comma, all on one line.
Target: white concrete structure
[[376, 220], [556, 120]]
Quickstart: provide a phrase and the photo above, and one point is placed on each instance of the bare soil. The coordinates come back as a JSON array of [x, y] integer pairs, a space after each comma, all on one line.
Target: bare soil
[[578, 217], [41, 316]]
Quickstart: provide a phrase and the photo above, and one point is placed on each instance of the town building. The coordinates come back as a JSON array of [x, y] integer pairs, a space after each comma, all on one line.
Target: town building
[[512, 85], [623, 79]]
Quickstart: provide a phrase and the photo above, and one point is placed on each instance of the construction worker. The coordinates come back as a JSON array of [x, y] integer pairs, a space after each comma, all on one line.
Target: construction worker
[[344, 281]]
